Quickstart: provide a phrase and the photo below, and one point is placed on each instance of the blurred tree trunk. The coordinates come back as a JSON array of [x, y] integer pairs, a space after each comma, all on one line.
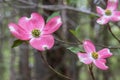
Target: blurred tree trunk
[[56, 56], [12, 65], [41, 71], [2, 38], [69, 22], [25, 54], [93, 9], [24, 69]]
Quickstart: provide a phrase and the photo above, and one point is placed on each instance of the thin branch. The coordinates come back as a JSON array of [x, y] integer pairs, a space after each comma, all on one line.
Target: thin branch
[[52, 7], [43, 56], [70, 43], [109, 28], [90, 67], [99, 45], [110, 47], [62, 7], [59, 7]]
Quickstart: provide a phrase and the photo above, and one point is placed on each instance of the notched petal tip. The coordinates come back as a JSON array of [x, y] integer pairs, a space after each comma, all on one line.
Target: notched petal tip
[[53, 25], [108, 51], [104, 53], [18, 32], [45, 47], [31, 16], [59, 19], [11, 27], [34, 14], [45, 41], [35, 21]]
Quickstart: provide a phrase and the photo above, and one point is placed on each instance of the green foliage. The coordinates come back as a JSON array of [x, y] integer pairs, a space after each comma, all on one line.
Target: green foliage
[[75, 49], [73, 32], [76, 32], [82, 4], [72, 2], [17, 43], [53, 15]]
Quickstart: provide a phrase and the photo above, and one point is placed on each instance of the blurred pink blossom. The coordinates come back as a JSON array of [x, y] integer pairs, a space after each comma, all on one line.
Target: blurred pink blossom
[[91, 56], [109, 14]]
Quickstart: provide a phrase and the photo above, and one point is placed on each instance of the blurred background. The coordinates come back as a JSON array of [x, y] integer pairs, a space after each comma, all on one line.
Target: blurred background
[[25, 63]]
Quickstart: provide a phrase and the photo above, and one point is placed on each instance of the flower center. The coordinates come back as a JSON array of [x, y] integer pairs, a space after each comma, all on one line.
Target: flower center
[[36, 33], [95, 55], [108, 12]]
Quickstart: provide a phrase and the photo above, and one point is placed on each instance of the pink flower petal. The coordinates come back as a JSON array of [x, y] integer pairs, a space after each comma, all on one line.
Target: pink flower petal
[[104, 53], [100, 63], [89, 46], [45, 41], [103, 20], [36, 21], [53, 25], [83, 57], [99, 10], [112, 4], [116, 16], [18, 32]]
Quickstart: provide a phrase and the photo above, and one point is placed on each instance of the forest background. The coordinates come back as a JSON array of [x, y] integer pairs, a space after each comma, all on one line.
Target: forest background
[[79, 16]]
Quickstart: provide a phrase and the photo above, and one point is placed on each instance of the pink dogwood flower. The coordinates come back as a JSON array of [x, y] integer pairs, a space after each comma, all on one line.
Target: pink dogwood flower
[[109, 14], [34, 29], [91, 56]]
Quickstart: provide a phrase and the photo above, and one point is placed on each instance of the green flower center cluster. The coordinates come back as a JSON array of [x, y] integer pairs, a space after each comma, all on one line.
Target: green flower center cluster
[[95, 55], [36, 33], [108, 12]]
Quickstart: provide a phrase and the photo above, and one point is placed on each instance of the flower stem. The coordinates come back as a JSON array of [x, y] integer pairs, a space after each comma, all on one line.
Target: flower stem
[[90, 67], [109, 28], [43, 56]]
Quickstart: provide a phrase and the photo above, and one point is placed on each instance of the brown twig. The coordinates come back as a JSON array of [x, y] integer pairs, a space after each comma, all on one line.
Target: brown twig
[[109, 28], [43, 56], [90, 67], [71, 43], [99, 45], [110, 47], [51, 7]]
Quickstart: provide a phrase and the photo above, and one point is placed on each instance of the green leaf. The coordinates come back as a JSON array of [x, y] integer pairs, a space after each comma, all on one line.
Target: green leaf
[[73, 32], [53, 15], [74, 49], [17, 43]]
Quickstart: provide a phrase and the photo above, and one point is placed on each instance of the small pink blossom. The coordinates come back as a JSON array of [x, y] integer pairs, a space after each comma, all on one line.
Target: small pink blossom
[[91, 56], [35, 30], [109, 14]]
